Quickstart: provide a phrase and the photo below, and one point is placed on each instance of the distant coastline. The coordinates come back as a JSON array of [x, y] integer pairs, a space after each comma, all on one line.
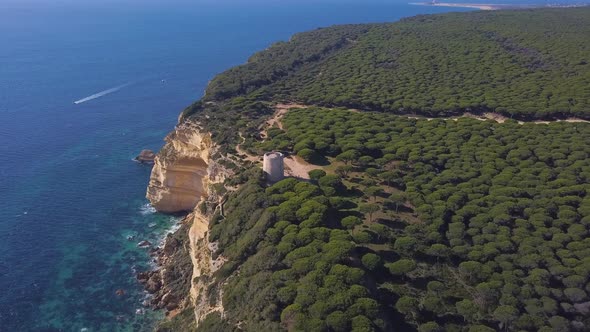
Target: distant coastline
[[484, 6], [458, 5]]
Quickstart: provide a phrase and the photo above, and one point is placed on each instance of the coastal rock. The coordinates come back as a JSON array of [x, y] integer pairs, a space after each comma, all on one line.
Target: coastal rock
[[155, 252], [151, 280], [120, 292], [144, 244], [170, 246], [143, 277], [146, 157], [169, 301], [170, 285], [171, 306], [154, 283], [180, 174]]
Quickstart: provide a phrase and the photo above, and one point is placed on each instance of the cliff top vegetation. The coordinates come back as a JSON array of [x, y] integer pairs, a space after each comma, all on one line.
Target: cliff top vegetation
[[525, 64]]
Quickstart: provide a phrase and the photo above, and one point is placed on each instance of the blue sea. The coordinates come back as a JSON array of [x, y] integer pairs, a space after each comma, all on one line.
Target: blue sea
[[70, 194]]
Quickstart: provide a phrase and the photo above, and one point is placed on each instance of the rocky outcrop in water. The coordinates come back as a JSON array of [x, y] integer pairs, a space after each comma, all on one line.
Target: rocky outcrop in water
[[146, 157]]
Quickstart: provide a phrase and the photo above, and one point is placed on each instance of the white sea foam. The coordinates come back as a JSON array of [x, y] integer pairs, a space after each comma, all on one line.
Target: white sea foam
[[175, 225], [102, 93], [147, 209], [171, 230]]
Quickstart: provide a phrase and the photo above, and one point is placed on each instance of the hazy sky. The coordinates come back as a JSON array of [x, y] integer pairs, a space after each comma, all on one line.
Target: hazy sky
[[170, 3]]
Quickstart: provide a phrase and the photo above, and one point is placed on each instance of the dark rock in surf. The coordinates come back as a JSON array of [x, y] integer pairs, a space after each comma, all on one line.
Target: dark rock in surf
[[146, 157]]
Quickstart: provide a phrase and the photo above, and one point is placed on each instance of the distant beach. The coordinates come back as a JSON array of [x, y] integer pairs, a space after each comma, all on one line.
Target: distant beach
[[487, 6], [460, 5]]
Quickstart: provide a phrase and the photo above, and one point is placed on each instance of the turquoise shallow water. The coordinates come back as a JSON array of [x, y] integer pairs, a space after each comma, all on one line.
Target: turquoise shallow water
[[69, 192]]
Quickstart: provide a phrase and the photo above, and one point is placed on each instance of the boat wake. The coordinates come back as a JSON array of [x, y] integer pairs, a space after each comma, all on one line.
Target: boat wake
[[102, 93]]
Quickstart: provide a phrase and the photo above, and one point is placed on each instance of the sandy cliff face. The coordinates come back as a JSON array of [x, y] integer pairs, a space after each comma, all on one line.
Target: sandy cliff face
[[181, 171], [205, 299], [182, 177]]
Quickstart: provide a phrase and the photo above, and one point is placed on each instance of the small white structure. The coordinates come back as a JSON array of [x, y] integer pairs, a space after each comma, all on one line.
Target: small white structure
[[273, 166]]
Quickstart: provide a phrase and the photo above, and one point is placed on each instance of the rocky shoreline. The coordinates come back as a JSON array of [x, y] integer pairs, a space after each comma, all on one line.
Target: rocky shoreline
[[182, 177], [169, 284]]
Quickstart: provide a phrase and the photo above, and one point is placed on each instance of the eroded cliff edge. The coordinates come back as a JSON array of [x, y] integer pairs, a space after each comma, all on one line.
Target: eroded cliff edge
[[181, 171], [182, 179]]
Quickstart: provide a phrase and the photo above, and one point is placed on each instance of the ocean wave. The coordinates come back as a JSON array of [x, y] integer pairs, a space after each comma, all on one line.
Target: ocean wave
[[175, 224], [147, 209]]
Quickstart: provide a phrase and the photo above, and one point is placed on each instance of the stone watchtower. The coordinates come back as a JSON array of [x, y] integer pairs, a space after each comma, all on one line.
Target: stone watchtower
[[273, 166]]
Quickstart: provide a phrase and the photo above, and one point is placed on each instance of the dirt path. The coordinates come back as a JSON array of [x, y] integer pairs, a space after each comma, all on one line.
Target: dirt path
[[501, 118], [280, 111], [299, 168], [241, 152], [498, 118], [294, 166]]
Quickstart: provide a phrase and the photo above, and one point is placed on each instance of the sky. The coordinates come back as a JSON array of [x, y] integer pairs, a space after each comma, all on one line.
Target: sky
[[73, 4]]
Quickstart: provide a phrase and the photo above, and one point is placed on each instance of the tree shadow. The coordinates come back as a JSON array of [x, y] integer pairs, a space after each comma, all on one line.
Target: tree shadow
[[389, 255], [319, 160], [344, 214], [400, 208], [298, 178], [354, 192], [392, 223], [355, 179]]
